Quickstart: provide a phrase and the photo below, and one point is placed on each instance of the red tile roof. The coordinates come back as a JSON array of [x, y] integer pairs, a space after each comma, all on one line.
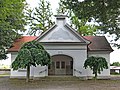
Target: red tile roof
[[98, 43], [19, 42]]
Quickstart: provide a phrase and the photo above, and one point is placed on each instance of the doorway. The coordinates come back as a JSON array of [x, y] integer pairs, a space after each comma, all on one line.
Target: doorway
[[61, 65]]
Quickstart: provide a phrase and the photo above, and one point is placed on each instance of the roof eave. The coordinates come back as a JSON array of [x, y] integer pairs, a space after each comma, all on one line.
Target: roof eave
[[80, 43], [41, 36], [79, 37], [100, 50]]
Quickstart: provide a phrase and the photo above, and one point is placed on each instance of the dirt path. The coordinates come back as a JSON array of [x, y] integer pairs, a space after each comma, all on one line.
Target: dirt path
[[18, 84]]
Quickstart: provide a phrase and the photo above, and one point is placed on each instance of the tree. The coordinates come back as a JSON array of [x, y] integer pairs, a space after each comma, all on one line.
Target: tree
[[12, 20], [103, 12], [96, 64], [82, 27], [31, 54], [40, 18], [115, 64]]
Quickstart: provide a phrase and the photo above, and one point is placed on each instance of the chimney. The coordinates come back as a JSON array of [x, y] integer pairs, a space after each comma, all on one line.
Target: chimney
[[60, 19]]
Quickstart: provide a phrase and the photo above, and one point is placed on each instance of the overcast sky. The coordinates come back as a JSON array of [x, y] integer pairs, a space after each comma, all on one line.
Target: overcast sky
[[54, 4], [114, 56]]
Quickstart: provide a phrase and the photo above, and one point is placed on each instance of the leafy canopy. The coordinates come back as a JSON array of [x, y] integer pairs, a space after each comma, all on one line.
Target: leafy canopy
[[96, 64], [40, 18], [106, 13], [115, 64], [12, 20], [80, 25], [31, 54]]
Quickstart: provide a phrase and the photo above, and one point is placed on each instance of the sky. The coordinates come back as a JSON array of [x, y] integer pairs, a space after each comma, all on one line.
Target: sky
[[54, 4], [114, 56]]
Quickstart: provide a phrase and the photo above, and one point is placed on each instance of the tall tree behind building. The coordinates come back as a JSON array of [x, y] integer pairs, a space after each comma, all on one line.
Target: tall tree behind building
[[106, 13], [80, 25], [12, 20], [40, 18]]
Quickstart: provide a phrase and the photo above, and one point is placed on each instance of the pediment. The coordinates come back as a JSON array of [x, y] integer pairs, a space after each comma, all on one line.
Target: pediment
[[61, 35], [61, 32]]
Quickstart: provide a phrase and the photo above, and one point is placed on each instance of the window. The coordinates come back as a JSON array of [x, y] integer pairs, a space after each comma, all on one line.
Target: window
[[62, 65], [57, 64]]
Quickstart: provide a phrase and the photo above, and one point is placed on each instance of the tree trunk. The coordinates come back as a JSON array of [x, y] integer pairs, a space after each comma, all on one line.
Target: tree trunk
[[95, 75], [28, 73]]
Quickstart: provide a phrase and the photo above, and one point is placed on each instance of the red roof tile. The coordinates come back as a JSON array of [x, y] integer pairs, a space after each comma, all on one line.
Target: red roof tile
[[98, 43], [19, 42]]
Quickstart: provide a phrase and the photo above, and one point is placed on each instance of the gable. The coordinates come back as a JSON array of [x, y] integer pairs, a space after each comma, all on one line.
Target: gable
[[61, 32]]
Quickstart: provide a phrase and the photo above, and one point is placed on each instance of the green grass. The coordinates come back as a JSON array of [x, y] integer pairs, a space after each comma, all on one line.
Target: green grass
[[115, 73]]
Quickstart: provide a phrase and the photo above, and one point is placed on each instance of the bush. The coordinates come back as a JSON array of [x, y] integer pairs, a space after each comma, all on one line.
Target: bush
[[114, 73]]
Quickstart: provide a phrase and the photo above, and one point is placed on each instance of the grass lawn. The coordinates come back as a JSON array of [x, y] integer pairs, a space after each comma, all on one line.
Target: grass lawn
[[20, 84]]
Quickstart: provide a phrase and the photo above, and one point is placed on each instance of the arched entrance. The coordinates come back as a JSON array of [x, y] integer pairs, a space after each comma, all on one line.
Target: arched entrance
[[61, 65]]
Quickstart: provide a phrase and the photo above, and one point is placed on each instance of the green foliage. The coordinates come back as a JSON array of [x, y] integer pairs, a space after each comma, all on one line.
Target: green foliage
[[3, 66], [115, 73], [83, 28], [96, 64], [2, 53], [80, 25], [12, 20], [115, 64], [31, 54], [103, 12], [40, 18], [62, 9]]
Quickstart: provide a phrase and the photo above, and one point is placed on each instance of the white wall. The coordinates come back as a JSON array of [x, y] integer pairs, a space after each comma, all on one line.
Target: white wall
[[19, 72], [77, 52], [79, 55], [6, 63], [106, 55], [40, 71]]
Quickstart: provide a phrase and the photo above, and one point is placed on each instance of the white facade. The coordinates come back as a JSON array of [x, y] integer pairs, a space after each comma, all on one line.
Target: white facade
[[61, 40], [106, 72]]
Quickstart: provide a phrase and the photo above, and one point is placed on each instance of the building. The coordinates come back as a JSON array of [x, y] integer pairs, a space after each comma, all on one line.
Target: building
[[115, 69], [68, 50]]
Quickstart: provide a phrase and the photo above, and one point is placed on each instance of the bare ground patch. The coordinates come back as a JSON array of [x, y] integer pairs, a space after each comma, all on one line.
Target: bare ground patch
[[20, 84]]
